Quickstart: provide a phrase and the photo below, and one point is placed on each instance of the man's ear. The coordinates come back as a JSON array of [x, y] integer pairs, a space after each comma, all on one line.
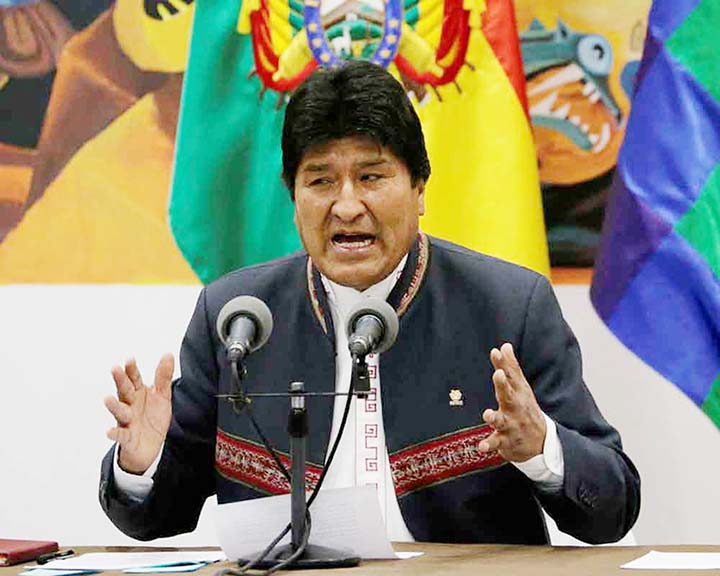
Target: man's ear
[[421, 197]]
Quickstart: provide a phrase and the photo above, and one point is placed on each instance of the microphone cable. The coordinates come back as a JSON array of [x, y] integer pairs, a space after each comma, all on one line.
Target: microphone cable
[[248, 410]]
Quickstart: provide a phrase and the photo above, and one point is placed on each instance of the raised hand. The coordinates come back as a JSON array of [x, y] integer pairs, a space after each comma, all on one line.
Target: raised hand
[[519, 424], [142, 413]]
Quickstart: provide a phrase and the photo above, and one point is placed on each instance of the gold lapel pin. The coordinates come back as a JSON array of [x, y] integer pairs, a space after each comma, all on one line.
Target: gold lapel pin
[[456, 397]]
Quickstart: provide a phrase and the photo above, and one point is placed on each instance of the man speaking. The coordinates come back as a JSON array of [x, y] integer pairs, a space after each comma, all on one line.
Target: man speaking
[[477, 416]]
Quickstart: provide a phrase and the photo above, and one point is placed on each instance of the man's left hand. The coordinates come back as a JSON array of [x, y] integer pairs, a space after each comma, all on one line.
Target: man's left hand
[[518, 423]]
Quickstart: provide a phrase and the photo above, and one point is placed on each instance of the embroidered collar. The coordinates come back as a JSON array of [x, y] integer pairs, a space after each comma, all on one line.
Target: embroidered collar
[[400, 298]]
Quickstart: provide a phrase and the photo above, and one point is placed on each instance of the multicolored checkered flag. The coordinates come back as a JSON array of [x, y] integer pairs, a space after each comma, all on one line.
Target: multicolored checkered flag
[[657, 277]]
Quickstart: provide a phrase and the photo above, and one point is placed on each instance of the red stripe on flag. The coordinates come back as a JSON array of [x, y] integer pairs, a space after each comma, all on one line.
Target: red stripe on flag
[[500, 29]]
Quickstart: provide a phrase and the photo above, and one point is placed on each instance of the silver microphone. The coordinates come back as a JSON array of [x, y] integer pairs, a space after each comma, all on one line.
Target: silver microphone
[[243, 325], [372, 326]]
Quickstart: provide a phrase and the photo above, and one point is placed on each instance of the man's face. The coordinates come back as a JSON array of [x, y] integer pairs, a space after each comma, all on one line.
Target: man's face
[[356, 210]]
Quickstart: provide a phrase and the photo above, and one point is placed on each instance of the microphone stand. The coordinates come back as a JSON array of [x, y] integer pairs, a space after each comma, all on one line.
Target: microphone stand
[[360, 376], [293, 554], [377, 326]]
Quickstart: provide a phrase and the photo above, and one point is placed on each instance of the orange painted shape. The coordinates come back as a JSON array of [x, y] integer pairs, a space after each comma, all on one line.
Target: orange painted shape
[[571, 275]]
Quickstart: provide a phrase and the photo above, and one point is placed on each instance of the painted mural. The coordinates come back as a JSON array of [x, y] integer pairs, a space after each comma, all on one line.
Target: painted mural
[[580, 59]]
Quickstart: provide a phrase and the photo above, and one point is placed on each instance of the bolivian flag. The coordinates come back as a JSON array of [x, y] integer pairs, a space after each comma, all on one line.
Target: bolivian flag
[[459, 58]]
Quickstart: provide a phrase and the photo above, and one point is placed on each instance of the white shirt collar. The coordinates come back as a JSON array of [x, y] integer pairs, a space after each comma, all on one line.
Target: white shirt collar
[[342, 298]]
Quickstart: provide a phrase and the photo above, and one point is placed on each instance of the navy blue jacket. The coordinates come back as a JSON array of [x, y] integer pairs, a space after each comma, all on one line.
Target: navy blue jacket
[[454, 306]]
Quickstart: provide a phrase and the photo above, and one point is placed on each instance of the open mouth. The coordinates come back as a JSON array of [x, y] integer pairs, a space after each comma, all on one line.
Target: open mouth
[[568, 101], [352, 241]]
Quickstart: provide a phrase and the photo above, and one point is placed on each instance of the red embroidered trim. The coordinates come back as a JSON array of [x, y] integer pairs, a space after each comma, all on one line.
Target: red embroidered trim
[[410, 293], [423, 251], [314, 297], [441, 459], [250, 464]]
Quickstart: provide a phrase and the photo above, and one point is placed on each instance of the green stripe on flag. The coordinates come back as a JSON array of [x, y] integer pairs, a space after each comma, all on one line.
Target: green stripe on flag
[[696, 44], [711, 405], [228, 207], [701, 224]]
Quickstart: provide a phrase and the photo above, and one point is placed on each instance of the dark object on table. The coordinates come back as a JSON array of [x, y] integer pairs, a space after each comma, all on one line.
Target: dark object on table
[[17, 551]]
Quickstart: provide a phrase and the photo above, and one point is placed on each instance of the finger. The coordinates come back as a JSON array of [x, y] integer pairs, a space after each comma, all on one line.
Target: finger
[[496, 358], [495, 418], [125, 388], [121, 412], [510, 364], [490, 443], [164, 375], [120, 435], [503, 389], [133, 373]]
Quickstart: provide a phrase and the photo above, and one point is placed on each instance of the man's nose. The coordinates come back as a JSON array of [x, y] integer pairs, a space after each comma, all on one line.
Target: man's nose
[[348, 205]]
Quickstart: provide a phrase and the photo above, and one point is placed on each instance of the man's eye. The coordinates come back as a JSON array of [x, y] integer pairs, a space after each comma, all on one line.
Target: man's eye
[[320, 181], [370, 177]]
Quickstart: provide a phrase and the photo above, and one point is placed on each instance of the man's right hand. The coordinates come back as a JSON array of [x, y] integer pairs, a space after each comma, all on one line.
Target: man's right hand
[[142, 413]]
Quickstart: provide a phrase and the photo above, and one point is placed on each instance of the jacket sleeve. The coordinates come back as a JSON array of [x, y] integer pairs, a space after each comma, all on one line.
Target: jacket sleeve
[[600, 497], [184, 478]]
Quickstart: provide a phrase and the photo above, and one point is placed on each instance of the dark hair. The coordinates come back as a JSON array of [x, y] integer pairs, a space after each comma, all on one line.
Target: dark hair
[[356, 99]]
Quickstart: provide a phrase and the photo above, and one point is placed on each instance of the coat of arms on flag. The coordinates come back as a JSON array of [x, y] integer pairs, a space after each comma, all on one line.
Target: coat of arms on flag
[[426, 40]]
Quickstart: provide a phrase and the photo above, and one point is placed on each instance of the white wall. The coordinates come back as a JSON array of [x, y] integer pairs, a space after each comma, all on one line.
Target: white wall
[[57, 345], [674, 445]]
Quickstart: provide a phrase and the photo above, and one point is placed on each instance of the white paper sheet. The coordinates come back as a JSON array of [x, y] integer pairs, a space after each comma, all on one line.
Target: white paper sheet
[[175, 568], [124, 560], [44, 572], [655, 560], [346, 518], [408, 555]]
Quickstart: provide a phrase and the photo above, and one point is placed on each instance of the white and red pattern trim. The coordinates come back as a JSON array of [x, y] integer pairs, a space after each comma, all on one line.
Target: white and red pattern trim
[[314, 300], [441, 459], [418, 274], [407, 297], [250, 464]]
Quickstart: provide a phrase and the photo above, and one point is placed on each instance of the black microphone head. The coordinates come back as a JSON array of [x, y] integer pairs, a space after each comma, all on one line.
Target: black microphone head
[[383, 312], [252, 308]]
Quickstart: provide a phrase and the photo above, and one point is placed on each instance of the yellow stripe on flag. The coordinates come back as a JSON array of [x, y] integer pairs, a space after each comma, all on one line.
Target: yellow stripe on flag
[[484, 191]]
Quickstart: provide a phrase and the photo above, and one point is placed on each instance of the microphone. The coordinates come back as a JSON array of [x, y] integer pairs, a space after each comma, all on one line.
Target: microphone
[[372, 326], [243, 325]]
